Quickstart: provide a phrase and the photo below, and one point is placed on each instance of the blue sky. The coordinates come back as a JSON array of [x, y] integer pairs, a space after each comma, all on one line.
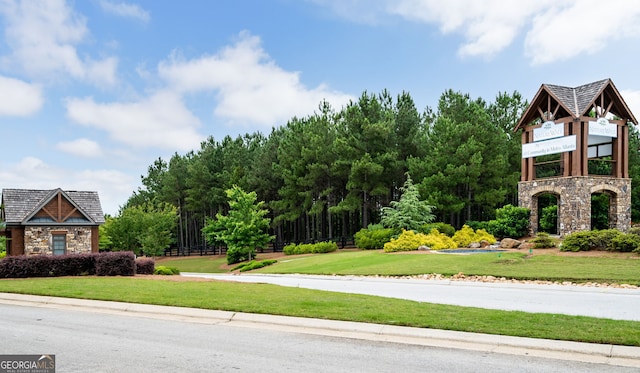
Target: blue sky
[[93, 91]]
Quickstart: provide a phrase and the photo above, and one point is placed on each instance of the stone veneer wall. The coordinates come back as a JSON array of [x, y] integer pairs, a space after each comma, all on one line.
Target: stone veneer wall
[[37, 240], [574, 201]]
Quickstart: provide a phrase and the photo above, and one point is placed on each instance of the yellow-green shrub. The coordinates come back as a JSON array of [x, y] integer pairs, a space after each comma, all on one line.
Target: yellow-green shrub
[[466, 235], [410, 240], [439, 241], [482, 234]]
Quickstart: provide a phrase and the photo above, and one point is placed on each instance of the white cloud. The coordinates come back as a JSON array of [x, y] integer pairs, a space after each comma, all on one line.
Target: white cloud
[[125, 10], [574, 30], [19, 98], [251, 88], [43, 36], [632, 99], [161, 120], [488, 26], [80, 147], [554, 29], [113, 187]]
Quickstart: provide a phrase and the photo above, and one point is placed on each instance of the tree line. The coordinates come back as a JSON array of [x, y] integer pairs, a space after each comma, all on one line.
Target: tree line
[[332, 173]]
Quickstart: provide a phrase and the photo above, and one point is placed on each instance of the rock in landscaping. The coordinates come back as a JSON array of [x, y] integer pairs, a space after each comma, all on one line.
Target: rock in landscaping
[[509, 243]]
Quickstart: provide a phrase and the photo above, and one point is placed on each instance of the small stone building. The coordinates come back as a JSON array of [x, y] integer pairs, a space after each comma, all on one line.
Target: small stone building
[[575, 144], [51, 222]]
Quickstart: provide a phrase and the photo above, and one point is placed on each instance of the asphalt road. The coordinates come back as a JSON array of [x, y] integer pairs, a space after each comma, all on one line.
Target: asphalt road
[[612, 303], [86, 341]]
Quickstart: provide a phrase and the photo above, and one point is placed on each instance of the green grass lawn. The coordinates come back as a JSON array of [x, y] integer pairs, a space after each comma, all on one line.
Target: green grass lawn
[[272, 299], [202, 264], [620, 269]]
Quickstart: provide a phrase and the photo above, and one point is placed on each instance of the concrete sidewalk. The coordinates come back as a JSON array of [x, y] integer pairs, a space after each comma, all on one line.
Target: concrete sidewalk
[[573, 351]]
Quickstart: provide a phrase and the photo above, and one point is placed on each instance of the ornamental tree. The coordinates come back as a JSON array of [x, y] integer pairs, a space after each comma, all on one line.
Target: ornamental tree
[[242, 229], [409, 213]]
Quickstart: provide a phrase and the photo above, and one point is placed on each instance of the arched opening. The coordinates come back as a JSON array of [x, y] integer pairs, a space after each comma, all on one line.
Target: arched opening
[[548, 212], [600, 210]]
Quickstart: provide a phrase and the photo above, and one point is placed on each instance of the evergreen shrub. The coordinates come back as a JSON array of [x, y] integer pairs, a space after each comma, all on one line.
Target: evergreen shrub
[[543, 241], [373, 238], [310, 248], [605, 239], [511, 221], [625, 243], [549, 219], [577, 241], [254, 264], [445, 228], [166, 271]]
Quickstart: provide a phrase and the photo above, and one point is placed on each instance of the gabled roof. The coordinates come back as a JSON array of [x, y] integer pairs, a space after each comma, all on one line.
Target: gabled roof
[[22, 204], [576, 102]]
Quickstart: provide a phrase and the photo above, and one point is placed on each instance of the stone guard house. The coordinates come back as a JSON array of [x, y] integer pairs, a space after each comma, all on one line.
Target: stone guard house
[[51, 222], [575, 143]]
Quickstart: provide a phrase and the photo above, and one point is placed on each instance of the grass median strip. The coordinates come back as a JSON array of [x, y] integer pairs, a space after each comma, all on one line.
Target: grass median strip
[[276, 300]]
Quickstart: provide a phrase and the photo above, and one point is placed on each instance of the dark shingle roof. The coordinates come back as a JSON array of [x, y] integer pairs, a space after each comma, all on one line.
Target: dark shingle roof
[[576, 102], [20, 203], [577, 99]]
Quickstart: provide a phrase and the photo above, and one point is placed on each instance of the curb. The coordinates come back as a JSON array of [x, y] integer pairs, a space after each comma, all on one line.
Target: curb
[[544, 348]]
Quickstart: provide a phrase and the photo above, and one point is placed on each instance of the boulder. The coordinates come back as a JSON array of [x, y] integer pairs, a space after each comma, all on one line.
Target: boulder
[[485, 243], [509, 243]]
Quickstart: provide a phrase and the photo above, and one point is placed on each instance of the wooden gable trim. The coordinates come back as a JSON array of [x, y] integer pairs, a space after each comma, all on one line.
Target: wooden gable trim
[[536, 109], [59, 199]]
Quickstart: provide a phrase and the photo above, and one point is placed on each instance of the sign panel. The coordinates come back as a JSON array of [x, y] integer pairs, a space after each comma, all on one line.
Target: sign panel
[[602, 127], [554, 146], [548, 130]]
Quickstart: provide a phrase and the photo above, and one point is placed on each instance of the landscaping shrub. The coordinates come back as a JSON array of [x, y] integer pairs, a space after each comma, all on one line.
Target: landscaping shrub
[[410, 240], [603, 239], [549, 219], [439, 241], [254, 264], [466, 235], [543, 241], [166, 271], [48, 265], [145, 266], [626, 243], [477, 224], [606, 239], [510, 221], [310, 248], [121, 263], [73, 264], [373, 238], [445, 228], [577, 241], [634, 230]]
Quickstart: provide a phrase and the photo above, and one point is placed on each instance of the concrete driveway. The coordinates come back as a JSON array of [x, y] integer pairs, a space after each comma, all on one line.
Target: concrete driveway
[[601, 302]]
